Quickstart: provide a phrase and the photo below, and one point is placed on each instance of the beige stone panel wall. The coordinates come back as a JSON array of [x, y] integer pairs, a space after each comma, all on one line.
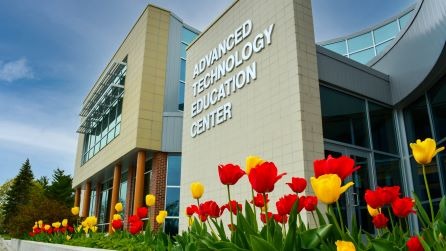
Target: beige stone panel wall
[[276, 117], [150, 111], [133, 47]]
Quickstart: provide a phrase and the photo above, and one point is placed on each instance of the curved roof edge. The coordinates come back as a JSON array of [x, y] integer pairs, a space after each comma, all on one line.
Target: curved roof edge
[[417, 51]]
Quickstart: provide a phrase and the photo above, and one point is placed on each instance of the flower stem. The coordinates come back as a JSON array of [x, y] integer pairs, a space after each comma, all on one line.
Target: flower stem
[[428, 194], [230, 207], [391, 219], [340, 215], [314, 218], [266, 215], [253, 202]]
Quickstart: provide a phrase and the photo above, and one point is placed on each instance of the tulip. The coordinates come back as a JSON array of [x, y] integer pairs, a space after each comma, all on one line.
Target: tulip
[[328, 187], [64, 223], [56, 224], [279, 218], [230, 173], [47, 227], [150, 200], [345, 246], [117, 217], [118, 207], [161, 217], [310, 203], [342, 166], [380, 220], [424, 151], [258, 200], [263, 217], [135, 226], [75, 211], [94, 229], [264, 177], [142, 212], [197, 190], [68, 237], [285, 203], [297, 184], [191, 210], [117, 224], [403, 207], [252, 162], [414, 244], [372, 199], [372, 211], [210, 208], [388, 194], [40, 223], [234, 207]]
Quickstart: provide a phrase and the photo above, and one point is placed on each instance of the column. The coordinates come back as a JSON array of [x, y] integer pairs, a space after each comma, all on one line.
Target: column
[[158, 184], [115, 193], [87, 194], [139, 182], [77, 197]]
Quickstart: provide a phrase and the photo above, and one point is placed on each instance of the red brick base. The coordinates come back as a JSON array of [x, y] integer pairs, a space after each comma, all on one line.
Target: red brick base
[[158, 184]]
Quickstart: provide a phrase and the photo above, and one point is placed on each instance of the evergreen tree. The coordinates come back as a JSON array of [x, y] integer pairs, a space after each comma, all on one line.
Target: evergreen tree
[[43, 181], [3, 196], [60, 188], [19, 192]]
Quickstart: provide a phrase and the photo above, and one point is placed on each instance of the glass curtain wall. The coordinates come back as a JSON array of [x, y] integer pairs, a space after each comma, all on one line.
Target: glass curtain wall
[[187, 36], [173, 193], [426, 118], [92, 203], [104, 207]]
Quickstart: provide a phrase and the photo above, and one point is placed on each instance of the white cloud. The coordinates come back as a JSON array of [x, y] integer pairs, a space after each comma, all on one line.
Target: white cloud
[[16, 133], [14, 70]]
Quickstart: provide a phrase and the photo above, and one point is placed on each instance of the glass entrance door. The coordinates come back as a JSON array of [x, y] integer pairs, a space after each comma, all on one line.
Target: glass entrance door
[[352, 203]]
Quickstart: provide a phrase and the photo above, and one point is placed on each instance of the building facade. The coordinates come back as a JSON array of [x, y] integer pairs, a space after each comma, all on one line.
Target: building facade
[[268, 90], [131, 123]]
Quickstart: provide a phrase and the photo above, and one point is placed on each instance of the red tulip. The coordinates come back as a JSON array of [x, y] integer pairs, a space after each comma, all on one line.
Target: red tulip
[[403, 207], [388, 195], [258, 200], [117, 224], [203, 217], [310, 203], [210, 208], [373, 199], [133, 218], [262, 216], [280, 218], [235, 207], [285, 203], [191, 210], [297, 184], [380, 221], [142, 212], [342, 166], [230, 173], [414, 244], [135, 227], [263, 177]]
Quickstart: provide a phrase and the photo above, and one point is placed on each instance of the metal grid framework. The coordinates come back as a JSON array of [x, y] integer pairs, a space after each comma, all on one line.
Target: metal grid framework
[[103, 97]]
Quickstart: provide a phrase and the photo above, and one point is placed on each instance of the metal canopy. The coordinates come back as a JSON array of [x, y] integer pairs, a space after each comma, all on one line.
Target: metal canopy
[[102, 97]]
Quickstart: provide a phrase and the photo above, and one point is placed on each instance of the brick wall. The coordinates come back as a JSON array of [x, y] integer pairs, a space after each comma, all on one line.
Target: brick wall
[[158, 184]]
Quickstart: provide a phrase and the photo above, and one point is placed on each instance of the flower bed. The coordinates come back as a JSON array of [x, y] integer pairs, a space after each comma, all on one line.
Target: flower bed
[[254, 226]]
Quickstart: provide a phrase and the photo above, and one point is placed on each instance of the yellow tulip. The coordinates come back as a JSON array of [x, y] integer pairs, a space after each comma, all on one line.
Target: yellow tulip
[[118, 207], [94, 229], [197, 190], [150, 200], [191, 221], [64, 222], [345, 246], [75, 210], [163, 213], [35, 225], [40, 223], [117, 217], [424, 151], [68, 237], [328, 188], [47, 227], [372, 211], [251, 162], [161, 216], [56, 224]]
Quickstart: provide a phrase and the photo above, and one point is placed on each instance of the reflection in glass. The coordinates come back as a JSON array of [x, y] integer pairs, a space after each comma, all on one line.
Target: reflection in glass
[[388, 171], [181, 87], [416, 120], [171, 226], [383, 128], [360, 42], [381, 47], [363, 56], [187, 35], [172, 201], [404, 20], [343, 117], [338, 47], [432, 176], [437, 98], [386, 32], [173, 170]]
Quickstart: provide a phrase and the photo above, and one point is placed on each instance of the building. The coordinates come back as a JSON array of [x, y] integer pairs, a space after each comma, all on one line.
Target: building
[[257, 84], [131, 123]]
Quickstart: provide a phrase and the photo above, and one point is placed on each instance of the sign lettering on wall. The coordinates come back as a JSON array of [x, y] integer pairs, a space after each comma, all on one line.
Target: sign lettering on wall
[[214, 79]]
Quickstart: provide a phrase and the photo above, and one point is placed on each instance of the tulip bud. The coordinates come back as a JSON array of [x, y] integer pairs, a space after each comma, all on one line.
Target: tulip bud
[[197, 190], [118, 207], [150, 200], [75, 211], [252, 162]]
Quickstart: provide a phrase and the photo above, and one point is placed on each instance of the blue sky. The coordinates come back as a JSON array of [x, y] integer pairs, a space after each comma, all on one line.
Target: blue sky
[[52, 52]]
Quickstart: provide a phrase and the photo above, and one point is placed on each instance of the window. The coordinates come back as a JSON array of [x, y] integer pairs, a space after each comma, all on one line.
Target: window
[[363, 56], [173, 193], [404, 20], [104, 206], [186, 37], [343, 117], [92, 203], [417, 120], [387, 170], [360, 42], [437, 98], [382, 46], [338, 47], [382, 128], [386, 32]]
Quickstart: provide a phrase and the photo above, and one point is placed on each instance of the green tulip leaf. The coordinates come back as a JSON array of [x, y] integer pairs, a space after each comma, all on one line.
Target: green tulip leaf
[[259, 244], [383, 245], [421, 213], [313, 237], [250, 216]]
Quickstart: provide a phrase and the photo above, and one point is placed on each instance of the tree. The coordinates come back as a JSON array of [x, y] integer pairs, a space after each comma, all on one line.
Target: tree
[[19, 192], [3, 198], [43, 181], [60, 188]]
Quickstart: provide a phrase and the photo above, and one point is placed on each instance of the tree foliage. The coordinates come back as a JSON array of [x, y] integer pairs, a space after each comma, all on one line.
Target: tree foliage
[[3, 198], [18, 194], [60, 188]]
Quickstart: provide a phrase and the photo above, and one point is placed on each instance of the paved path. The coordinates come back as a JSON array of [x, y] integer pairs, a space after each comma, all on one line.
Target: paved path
[[2, 245]]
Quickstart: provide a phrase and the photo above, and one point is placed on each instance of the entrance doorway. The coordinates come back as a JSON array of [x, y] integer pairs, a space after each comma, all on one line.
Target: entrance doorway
[[352, 202]]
